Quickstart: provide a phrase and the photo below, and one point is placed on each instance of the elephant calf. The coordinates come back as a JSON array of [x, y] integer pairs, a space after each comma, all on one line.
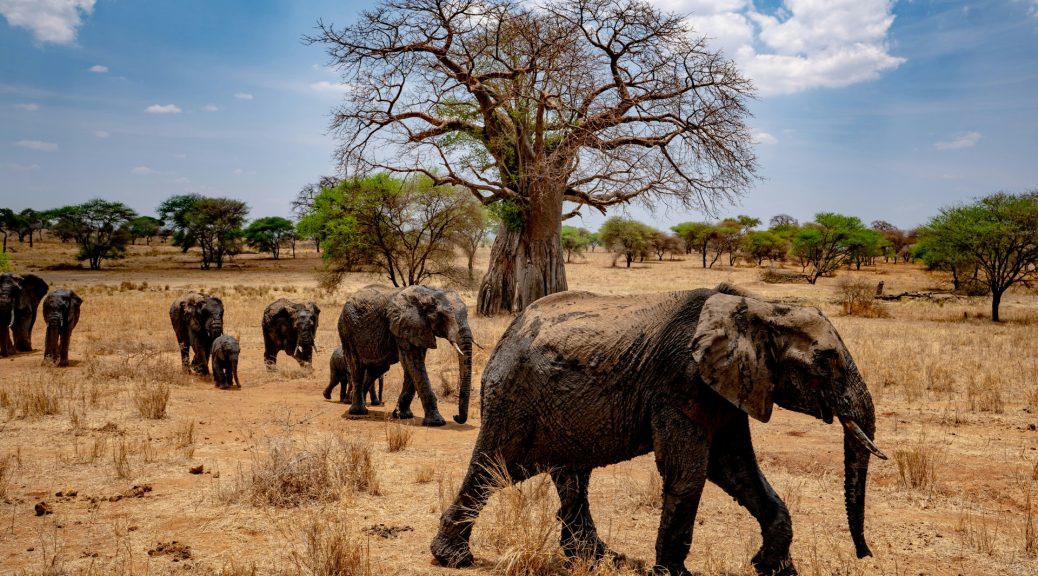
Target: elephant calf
[[61, 312], [225, 361], [340, 376]]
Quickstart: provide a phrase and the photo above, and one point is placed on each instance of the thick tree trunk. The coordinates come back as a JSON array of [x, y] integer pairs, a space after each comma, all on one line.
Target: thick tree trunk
[[525, 264], [996, 300]]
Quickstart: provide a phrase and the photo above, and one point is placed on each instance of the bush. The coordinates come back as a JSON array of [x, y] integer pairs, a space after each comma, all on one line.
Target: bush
[[151, 398], [858, 298], [772, 275], [5, 262]]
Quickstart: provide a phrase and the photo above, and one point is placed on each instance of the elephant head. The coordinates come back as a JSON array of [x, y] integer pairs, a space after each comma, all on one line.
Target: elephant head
[[207, 316], [304, 319], [419, 314], [756, 354], [10, 296]]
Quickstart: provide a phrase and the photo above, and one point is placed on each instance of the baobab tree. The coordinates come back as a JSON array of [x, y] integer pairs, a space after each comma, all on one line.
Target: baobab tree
[[528, 106]]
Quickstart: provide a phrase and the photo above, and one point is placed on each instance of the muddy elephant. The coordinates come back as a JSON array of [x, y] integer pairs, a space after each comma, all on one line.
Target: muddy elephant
[[197, 320], [61, 313], [580, 381], [20, 298], [380, 326], [225, 354], [34, 289], [339, 375], [291, 328]]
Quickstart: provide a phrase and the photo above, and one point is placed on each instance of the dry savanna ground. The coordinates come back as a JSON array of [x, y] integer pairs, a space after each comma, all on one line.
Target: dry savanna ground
[[121, 464]]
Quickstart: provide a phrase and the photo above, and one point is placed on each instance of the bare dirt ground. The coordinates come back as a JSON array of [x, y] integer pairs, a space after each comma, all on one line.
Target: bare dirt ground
[[288, 486]]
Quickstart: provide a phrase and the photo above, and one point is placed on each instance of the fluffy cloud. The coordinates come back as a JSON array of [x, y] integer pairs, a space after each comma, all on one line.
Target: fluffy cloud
[[30, 106], [959, 141], [37, 145], [149, 171], [801, 45], [211, 108], [15, 167], [54, 21], [163, 109], [326, 86], [98, 69], [243, 96], [764, 138], [101, 134]]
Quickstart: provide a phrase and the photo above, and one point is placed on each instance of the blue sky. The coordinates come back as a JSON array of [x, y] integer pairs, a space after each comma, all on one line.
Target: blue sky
[[883, 110]]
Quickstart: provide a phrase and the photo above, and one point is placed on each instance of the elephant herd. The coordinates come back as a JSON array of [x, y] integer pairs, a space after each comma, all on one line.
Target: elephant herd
[[577, 381], [20, 298]]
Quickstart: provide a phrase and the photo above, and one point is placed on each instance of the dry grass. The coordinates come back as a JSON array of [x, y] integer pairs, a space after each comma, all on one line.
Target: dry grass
[[8, 464], [150, 399], [32, 397], [329, 548], [857, 298], [916, 465], [519, 523], [398, 435]]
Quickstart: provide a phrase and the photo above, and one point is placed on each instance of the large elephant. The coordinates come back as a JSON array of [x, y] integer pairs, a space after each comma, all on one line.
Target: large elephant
[[380, 326], [580, 381], [34, 289], [61, 313], [197, 320], [226, 351], [10, 296], [289, 327], [339, 375]]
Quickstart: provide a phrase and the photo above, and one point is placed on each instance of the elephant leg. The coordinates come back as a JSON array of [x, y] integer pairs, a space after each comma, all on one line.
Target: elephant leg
[[733, 467], [376, 396], [414, 361], [217, 373], [200, 361], [450, 546], [6, 345], [270, 353], [579, 535], [682, 451], [332, 383], [358, 379], [66, 336], [51, 345], [403, 403]]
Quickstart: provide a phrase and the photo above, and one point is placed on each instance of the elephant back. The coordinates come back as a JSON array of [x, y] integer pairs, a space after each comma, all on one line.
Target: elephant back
[[364, 325]]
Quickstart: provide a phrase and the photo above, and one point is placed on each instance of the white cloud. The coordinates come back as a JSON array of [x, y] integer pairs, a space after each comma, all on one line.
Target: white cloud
[[149, 171], [764, 138], [98, 69], [101, 134], [237, 171], [326, 86], [210, 108], [30, 106], [803, 44], [37, 145], [243, 96], [163, 109], [54, 21], [15, 167], [959, 141]]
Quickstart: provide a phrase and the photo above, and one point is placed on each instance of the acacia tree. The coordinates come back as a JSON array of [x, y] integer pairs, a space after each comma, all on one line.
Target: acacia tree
[[574, 241], [269, 234], [626, 237], [999, 232], [595, 102], [99, 227], [824, 244], [145, 227], [215, 226], [697, 236]]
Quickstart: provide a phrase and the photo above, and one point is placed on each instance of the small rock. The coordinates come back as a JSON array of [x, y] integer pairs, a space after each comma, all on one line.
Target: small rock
[[42, 509], [197, 469], [1032, 427]]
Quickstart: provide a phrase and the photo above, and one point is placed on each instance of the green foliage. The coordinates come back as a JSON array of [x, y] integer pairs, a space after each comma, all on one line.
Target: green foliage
[[268, 234], [824, 245], [510, 213], [764, 245], [696, 236], [174, 211], [405, 227], [864, 245], [574, 241], [7, 224], [99, 227], [144, 227], [997, 233], [626, 237], [5, 262], [214, 225]]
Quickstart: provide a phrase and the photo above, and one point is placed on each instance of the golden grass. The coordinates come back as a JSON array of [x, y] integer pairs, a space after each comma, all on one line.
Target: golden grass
[[955, 393], [398, 435], [150, 399]]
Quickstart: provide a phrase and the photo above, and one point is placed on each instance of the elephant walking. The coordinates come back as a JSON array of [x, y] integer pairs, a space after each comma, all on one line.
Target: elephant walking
[[380, 326], [197, 320], [580, 381], [339, 375], [225, 354], [61, 313], [291, 328], [20, 298]]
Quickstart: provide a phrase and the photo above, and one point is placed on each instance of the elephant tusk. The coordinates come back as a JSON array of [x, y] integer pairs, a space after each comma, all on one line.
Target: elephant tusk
[[860, 436], [458, 348]]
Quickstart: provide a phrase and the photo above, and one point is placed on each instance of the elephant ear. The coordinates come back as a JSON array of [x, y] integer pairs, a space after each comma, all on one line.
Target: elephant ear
[[411, 314], [315, 310], [731, 351], [35, 286]]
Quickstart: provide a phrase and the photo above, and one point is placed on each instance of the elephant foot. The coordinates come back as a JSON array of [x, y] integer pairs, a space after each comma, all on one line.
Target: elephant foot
[[357, 410], [453, 553], [374, 403], [433, 419], [328, 395], [783, 567], [678, 570], [399, 414]]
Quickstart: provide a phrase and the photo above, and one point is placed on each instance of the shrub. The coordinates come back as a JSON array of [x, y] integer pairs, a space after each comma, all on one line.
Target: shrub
[[5, 262], [150, 398], [772, 275], [330, 548], [857, 297], [398, 436]]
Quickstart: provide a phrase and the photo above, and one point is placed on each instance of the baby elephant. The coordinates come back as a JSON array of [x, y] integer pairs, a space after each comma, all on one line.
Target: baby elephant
[[225, 362], [340, 376], [61, 312]]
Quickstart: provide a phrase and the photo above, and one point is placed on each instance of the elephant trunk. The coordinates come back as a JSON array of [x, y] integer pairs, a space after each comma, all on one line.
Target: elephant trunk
[[304, 352], [215, 329], [464, 345], [859, 422]]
